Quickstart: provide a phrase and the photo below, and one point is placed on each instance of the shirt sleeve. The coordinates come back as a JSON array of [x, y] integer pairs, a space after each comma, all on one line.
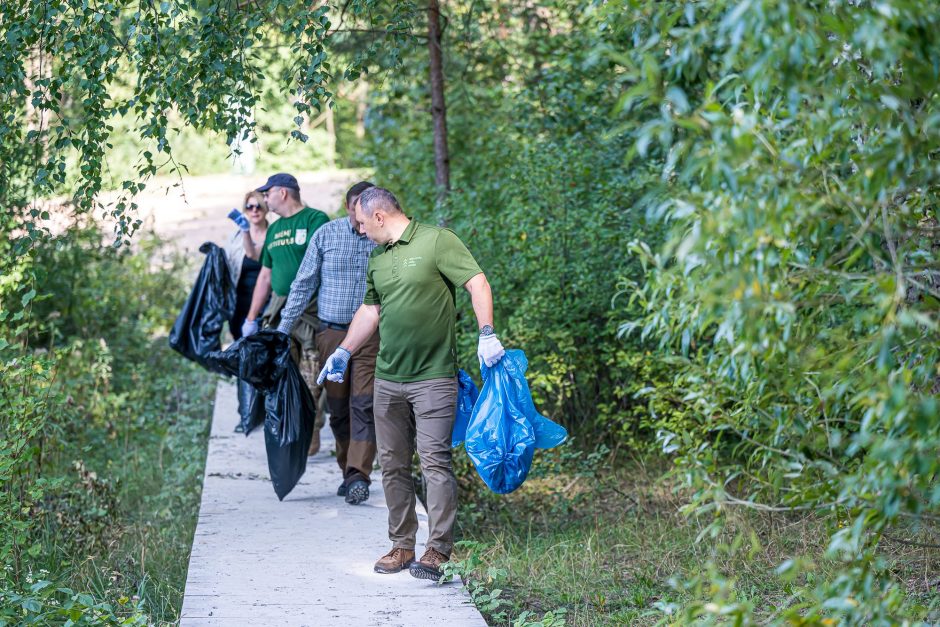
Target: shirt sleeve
[[453, 259], [305, 285], [371, 297]]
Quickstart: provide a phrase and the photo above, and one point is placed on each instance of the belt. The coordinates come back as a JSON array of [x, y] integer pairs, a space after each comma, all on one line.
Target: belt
[[332, 325]]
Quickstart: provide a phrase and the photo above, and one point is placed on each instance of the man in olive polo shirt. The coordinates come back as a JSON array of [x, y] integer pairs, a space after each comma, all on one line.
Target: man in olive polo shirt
[[284, 249], [410, 297]]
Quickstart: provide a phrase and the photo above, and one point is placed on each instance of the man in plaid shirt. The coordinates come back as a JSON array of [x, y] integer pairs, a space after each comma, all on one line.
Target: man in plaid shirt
[[335, 264]]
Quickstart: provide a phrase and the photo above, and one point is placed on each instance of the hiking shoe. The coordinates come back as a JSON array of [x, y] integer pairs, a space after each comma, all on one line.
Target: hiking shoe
[[357, 492], [341, 490], [429, 566], [395, 561], [314, 444]]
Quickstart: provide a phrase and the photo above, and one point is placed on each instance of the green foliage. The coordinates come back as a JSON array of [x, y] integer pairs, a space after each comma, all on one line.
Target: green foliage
[[756, 182], [79, 75], [644, 401], [482, 589], [45, 604], [540, 197], [487, 596], [24, 394], [625, 554], [716, 222], [102, 458], [795, 154]]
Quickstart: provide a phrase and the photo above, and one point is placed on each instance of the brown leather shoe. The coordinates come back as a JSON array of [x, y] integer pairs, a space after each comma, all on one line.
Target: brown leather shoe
[[395, 561], [430, 565], [314, 443]]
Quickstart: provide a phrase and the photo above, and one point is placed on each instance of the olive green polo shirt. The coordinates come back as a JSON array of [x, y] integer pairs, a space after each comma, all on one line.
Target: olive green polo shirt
[[414, 280]]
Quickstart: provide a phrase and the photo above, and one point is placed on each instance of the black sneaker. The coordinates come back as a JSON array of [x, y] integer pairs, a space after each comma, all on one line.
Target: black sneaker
[[341, 490], [357, 492]]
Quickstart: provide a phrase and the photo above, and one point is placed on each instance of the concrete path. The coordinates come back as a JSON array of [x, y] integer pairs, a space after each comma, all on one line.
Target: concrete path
[[304, 561]]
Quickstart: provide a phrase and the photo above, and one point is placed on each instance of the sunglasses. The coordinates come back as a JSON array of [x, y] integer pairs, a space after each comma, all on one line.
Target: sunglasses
[[253, 207]]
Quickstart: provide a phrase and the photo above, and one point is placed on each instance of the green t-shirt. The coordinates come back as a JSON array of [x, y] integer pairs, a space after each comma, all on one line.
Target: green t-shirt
[[285, 245], [414, 281]]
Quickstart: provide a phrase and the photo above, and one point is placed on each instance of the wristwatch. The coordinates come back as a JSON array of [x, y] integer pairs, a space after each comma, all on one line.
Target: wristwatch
[[486, 330]]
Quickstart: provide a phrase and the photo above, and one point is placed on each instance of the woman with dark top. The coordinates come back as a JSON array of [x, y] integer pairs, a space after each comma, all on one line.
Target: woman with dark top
[[243, 252]]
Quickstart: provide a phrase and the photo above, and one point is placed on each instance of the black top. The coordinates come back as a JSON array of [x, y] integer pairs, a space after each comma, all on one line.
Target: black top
[[249, 275]]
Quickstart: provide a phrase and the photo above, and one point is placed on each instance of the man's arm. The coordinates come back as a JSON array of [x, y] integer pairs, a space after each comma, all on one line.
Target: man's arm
[[261, 294], [489, 349], [305, 284], [482, 298], [363, 325]]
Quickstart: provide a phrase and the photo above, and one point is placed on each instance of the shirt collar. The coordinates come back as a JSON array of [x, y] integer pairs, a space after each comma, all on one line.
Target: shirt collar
[[409, 232], [352, 227]]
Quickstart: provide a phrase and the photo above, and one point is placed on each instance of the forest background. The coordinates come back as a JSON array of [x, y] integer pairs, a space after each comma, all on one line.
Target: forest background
[[713, 228]]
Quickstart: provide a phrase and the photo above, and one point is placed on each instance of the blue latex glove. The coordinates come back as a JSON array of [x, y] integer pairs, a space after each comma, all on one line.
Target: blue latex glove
[[249, 327], [238, 218], [335, 366]]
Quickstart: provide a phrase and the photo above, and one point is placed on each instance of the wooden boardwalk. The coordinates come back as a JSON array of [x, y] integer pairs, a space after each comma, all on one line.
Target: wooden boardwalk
[[304, 561]]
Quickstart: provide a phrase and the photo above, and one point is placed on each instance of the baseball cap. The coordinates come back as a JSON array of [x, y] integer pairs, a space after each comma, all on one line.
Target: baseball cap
[[281, 179]]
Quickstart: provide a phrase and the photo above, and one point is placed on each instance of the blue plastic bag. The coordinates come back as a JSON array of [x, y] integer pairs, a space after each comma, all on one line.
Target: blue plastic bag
[[467, 395], [505, 428]]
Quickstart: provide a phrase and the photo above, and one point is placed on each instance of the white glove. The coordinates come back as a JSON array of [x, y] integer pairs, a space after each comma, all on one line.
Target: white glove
[[249, 327], [335, 366], [490, 350]]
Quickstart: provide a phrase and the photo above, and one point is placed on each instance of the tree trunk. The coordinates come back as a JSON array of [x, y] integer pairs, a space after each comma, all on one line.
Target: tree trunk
[[438, 107], [330, 136]]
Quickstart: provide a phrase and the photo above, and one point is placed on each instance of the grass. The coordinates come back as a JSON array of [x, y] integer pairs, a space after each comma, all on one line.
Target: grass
[[124, 529], [611, 547]]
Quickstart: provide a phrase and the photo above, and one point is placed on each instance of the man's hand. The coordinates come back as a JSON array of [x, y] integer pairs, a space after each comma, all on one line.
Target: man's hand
[[335, 366], [249, 327], [236, 216], [490, 350]]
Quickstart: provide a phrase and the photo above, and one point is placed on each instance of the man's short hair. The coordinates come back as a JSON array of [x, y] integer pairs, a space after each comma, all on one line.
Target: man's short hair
[[356, 190], [375, 198], [293, 194]]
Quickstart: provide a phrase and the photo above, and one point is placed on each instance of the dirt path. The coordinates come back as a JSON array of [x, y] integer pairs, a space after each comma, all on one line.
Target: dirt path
[[194, 211]]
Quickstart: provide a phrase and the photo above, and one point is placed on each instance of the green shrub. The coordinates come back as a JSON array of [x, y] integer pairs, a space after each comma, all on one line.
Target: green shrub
[[104, 436], [798, 287], [543, 202]]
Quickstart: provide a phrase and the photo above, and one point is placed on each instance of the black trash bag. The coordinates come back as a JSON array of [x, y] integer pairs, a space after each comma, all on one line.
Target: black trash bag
[[197, 329], [250, 406], [288, 428], [263, 360], [260, 359]]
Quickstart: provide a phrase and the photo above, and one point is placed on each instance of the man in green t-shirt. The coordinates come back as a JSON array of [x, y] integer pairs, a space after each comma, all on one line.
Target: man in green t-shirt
[[410, 296], [284, 248]]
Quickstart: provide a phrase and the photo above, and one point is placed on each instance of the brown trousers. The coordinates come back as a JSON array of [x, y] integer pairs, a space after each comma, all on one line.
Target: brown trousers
[[308, 362], [350, 404], [422, 412]]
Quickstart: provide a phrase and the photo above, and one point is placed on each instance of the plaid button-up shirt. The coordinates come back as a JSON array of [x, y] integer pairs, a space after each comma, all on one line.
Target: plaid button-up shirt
[[335, 264]]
